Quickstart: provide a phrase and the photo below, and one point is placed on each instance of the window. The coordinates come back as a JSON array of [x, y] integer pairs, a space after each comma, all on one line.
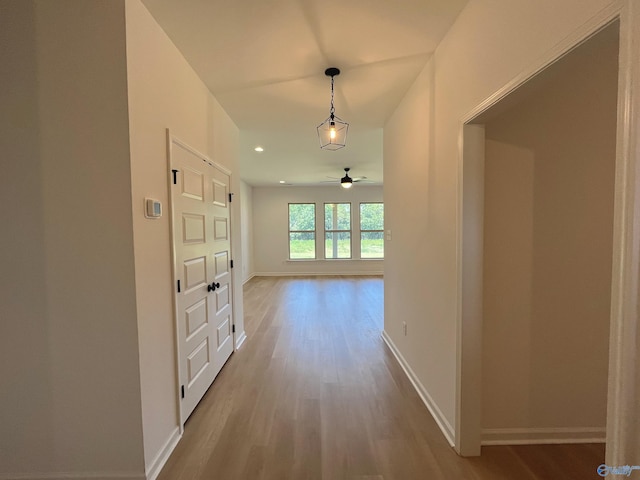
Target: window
[[302, 231], [371, 230], [337, 230], [305, 236]]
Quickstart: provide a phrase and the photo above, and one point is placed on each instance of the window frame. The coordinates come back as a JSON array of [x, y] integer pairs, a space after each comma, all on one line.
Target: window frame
[[313, 231], [334, 231], [370, 231]]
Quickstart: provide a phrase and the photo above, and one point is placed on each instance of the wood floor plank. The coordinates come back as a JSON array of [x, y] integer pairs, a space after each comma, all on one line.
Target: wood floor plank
[[315, 394]]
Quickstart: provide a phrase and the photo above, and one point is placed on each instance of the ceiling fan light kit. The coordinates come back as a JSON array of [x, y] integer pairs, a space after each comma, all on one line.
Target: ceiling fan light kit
[[346, 181], [332, 133]]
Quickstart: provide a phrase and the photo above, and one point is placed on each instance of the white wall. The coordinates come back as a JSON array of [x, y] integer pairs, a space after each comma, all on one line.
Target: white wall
[[70, 401], [89, 351], [164, 92], [549, 189], [248, 269], [271, 229], [491, 42]]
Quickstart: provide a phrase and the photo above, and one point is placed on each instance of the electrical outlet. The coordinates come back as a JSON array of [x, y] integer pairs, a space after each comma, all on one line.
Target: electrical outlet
[[404, 328]]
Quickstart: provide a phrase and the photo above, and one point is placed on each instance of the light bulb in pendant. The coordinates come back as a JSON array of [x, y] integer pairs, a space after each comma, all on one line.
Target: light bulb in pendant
[[332, 131]]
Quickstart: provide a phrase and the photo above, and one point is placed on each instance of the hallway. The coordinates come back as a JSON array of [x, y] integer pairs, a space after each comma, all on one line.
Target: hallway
[[314, 393]]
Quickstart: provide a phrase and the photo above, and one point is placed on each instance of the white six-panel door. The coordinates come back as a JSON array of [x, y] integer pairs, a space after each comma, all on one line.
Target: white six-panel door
[[202, 254]]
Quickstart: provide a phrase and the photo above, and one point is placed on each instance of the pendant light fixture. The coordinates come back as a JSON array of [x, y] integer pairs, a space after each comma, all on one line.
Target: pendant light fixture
[[333, 131]]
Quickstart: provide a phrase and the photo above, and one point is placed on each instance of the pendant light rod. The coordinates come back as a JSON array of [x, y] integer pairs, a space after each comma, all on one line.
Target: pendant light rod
[[332, 72]]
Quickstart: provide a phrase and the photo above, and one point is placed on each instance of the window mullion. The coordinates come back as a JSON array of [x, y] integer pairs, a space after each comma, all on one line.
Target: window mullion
[[334, 235]]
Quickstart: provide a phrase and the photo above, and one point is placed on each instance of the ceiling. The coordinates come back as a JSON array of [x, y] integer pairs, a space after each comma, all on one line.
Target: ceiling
[[264, 61]]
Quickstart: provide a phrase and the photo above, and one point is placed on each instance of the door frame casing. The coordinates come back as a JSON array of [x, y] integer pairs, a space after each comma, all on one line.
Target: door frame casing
[[625, 300], [171, 139]]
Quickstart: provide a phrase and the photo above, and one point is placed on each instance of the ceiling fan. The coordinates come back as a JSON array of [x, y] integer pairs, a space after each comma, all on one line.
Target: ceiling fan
[[347, 181]]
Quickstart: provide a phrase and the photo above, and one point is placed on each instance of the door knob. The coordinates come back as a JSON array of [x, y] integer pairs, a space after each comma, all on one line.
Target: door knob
[[213, 286]]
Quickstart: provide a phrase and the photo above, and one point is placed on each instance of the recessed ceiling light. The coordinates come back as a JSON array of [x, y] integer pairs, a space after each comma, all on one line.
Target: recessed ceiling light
[[282, 181], [259, 149]]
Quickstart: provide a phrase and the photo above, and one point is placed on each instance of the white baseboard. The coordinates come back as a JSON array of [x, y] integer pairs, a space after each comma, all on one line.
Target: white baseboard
[[436, 413], [249, 278], [539, 436], [318, 274], [154, 468], [73, 476], [241, 340]]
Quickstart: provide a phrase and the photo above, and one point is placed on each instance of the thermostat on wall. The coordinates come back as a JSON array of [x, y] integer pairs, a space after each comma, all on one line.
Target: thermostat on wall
[[153, 208]]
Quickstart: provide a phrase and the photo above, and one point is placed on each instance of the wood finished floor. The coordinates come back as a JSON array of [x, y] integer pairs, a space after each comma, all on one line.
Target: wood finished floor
[[314, 393]]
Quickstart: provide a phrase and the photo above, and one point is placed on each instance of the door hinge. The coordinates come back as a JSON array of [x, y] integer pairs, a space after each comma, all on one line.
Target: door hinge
[[178, 286], [230, 197], [175, 176], [233, 329], [231, 263], [181, 391]]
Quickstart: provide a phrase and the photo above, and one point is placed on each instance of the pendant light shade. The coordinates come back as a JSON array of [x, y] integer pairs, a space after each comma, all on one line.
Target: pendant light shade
[[332, 133]]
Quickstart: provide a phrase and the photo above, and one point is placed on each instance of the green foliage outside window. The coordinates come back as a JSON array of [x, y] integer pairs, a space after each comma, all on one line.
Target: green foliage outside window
[[337, 234], [302, 217], [337, 226], [371, 230], [302, 231]]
